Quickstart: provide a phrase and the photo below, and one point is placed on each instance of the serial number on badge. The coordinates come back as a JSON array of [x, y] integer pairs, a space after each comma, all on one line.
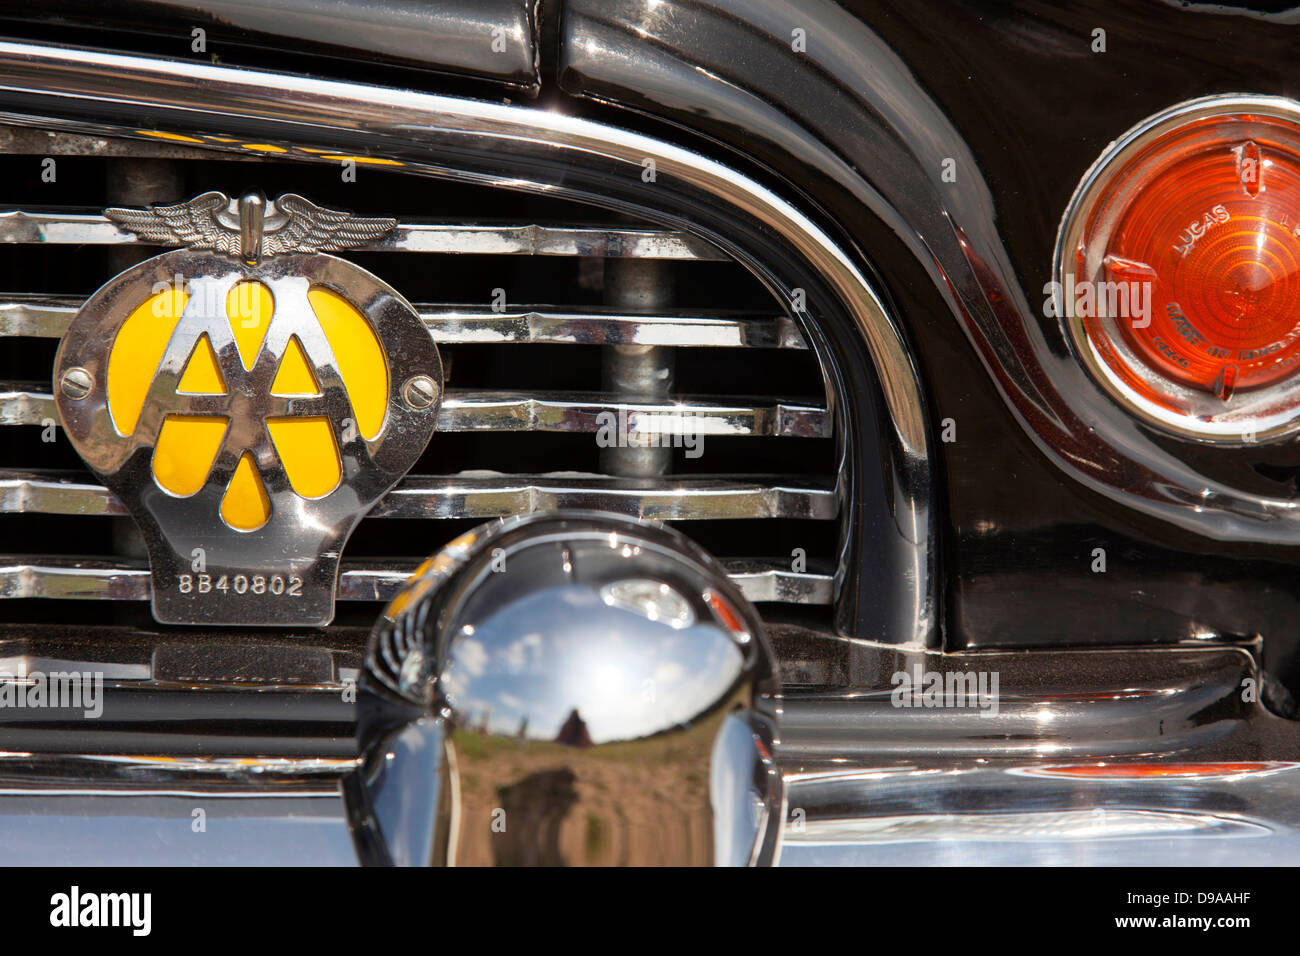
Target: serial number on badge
[[276, 585]]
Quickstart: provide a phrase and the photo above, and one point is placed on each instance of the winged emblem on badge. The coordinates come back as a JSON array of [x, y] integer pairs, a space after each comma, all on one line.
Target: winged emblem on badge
[[233, 227]]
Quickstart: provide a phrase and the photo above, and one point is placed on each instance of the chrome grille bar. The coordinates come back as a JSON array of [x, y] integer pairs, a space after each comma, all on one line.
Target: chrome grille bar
[[41, 316], [26, 403], [669, 499], [83, 579], [468, 325], [500, 239], [38, 316], [577, 412], [495, 496], [758, 581]]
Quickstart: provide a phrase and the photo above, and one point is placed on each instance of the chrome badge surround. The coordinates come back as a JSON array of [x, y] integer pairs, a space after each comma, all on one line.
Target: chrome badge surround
[[283, 573]]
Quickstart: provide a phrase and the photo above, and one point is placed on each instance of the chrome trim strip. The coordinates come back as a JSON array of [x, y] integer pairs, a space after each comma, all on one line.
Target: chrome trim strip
[[1005, 815], [233, 767], [466, 411], [762, 583], [48, 317], [1149, 742], [497, 239], [541, 152], [98, 579], [495, 496], [28, 789]]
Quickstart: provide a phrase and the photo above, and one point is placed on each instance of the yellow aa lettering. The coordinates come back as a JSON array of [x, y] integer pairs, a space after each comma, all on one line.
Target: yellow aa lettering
[[359, 355], [294, 376], [308, 453], [245, 506], [201, 375], [136, 352], [186, 448], [249, 306]]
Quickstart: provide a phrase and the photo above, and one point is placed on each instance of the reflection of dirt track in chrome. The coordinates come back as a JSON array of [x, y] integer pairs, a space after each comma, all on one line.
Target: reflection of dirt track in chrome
[[644, 802]]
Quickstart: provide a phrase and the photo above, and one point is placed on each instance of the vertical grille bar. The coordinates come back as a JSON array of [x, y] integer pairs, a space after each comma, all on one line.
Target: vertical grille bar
[[637, 372]]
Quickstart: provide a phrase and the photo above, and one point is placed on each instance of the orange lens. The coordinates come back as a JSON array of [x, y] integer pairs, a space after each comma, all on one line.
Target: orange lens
[[1198, 241]]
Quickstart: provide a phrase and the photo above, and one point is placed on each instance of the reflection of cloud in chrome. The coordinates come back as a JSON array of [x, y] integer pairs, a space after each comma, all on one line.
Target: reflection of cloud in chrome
[[523, 654], [454, 686], [471, 661], [472, 655], [624, 675], [668, 673]]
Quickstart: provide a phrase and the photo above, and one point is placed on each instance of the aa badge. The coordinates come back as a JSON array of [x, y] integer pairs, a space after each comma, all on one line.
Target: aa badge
[[248, 399]]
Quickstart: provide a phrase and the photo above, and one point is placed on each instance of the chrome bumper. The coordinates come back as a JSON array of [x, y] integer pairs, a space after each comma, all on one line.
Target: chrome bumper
[[1146, 757]]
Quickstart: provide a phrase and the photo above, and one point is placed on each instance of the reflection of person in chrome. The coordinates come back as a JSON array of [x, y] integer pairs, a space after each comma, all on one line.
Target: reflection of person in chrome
[[573, 732], [536, 807]]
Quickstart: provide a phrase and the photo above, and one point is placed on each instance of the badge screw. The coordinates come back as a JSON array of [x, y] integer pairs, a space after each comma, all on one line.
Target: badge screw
[[419, 391], [76, 383]]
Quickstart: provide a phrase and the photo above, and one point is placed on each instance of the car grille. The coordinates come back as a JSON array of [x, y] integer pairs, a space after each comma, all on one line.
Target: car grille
[[547, 313]]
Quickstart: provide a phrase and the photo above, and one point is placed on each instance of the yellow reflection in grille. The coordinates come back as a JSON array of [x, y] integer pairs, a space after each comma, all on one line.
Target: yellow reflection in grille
[[136, 352], [245, 506], [186, 448], [308, 453], [250, 307], [424, 577], [359, 355], [367, 160], [202, 376], [177, 137]]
